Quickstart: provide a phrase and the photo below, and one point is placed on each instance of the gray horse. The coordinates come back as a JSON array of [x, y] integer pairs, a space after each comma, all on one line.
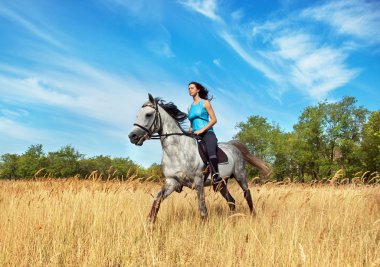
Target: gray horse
[[182, 164]]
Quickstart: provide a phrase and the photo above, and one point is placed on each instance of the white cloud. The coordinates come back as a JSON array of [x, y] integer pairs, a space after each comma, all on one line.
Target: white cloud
[[314, 70], [237, 15], [268, 27], [357, 18], [20, 131], [160, 48], [207, 8], [90, 92], [141, 9], [291, 56], [265, 69], [293, 46], [14, 113], [86, 91], [104, 104], [29, 26], [216, 61]]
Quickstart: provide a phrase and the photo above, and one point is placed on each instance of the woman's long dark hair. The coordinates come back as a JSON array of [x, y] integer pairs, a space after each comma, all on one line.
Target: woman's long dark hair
[[203, 92]]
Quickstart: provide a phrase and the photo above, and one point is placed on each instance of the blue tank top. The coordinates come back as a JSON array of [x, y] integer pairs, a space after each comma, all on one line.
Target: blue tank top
[[198, 116]]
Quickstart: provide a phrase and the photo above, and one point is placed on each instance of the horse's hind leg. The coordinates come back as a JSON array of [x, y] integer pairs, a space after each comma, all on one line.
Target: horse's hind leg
[[241, 178], [165, 191], [226, 194]]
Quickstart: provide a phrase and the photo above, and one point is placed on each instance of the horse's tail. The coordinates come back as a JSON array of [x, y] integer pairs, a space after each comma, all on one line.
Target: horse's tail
[[251, 159]]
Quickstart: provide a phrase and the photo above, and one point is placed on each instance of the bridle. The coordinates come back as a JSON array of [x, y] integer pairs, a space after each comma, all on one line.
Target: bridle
[[157, 124]]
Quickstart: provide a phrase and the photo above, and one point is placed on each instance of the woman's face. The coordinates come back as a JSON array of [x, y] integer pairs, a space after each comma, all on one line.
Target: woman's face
[[193, 91]]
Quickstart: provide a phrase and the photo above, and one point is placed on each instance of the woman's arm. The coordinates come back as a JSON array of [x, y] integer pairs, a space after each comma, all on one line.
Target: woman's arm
[[213, 119], [191, 125]]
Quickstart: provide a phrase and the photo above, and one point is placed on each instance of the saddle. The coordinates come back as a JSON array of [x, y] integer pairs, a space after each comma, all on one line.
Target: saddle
[[222, 157]]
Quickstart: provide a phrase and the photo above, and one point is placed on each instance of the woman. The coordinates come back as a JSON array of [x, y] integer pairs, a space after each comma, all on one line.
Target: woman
[[202, 118]]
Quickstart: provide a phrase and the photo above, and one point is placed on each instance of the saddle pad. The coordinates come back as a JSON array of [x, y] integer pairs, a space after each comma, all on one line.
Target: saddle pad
[[222, 157]]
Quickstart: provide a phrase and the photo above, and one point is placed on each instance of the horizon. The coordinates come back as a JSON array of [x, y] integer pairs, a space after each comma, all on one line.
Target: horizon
[[77, 73]]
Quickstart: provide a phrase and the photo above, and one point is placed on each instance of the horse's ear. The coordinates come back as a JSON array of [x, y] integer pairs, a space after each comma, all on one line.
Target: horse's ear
[[151, 99]]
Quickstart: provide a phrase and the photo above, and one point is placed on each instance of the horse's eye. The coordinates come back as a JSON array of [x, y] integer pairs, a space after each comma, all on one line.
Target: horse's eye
[[149, 115]]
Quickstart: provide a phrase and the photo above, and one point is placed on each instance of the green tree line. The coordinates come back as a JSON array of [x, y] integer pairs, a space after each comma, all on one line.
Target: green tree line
[[328, 138], [68, 162]]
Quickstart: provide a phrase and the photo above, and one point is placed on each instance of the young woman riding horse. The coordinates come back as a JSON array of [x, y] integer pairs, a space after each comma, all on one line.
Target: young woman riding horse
[[202, 119], [181, 162]]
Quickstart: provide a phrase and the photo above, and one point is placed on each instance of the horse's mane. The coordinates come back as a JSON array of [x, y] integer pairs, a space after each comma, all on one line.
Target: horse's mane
[[179, 116]]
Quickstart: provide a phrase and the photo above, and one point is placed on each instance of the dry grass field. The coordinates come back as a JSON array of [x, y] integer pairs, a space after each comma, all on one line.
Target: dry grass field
[[72, 222]]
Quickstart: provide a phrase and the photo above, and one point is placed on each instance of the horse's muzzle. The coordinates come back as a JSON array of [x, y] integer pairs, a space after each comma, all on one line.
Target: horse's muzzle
[[136, 139]]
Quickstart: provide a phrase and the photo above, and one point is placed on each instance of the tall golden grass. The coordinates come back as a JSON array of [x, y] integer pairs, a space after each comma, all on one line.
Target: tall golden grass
[[71, 222]]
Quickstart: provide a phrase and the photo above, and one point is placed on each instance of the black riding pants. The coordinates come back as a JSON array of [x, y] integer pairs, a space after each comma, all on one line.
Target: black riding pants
[[211, 145]]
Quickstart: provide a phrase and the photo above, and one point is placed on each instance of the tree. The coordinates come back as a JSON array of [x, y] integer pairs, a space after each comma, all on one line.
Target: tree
[[371, 143], [155, 171], [255, 135], [100, 163], [343, 125], [308, 143], [65, 162], [328, 138], [267, 142], [8, 166], [31, 161], [108, 167]]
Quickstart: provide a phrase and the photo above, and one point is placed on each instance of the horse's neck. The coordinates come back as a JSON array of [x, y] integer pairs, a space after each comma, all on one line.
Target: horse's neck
[[169, 125], [173, 145]]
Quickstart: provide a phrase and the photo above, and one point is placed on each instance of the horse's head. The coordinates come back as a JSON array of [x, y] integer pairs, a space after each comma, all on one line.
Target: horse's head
[[147, 122]]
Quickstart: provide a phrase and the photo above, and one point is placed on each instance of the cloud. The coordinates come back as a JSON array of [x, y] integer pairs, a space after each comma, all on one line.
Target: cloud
[[97, 106], [205, 7], [313, 69], [235, 45], [91, 92], [30, 27], [104, 106], [143, 10], [291, 58], [14, 113], [216, 62], [19, 131], [357, 18], [293, 45], [160, 48], [237, 15]]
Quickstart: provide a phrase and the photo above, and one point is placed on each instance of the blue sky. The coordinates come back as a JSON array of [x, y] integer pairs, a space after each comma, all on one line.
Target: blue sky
[[76, 72]]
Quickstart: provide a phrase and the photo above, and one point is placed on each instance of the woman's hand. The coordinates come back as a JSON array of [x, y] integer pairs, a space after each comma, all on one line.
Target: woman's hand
[[199, 132]]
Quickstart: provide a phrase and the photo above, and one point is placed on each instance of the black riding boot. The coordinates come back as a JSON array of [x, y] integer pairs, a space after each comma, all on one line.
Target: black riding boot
[[215, 178]]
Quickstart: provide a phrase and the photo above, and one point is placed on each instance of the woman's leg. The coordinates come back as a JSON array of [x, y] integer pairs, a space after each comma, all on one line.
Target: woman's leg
[[211, 144]]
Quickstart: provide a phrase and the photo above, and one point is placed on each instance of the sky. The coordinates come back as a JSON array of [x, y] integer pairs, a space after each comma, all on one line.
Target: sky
[[76, 72]]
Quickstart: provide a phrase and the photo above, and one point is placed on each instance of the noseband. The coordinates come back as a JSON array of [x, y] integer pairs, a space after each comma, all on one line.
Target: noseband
[[157, 121]]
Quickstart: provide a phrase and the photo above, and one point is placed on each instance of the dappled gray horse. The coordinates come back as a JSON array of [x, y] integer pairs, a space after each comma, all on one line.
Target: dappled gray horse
[[182, 164]]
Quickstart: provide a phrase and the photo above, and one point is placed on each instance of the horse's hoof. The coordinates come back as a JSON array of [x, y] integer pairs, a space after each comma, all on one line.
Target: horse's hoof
[[149, 225], [204, 218]]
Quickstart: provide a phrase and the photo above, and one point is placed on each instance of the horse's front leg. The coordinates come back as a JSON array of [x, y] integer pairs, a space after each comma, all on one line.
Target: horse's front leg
[[199, 187], [165, 191]]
